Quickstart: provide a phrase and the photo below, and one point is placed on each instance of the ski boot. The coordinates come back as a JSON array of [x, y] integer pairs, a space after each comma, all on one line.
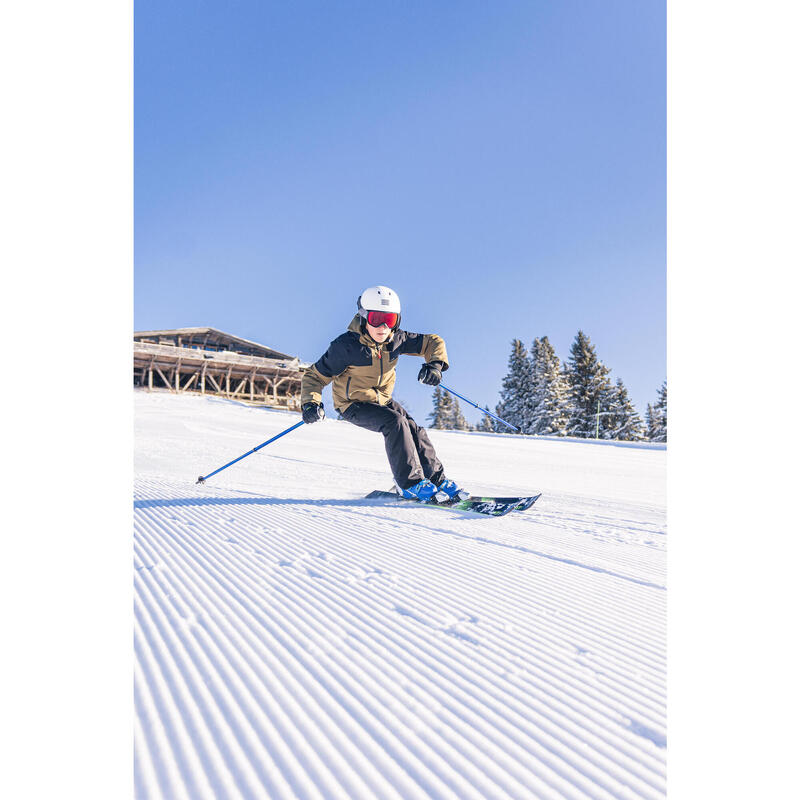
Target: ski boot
[[448, 491], [422, 491]]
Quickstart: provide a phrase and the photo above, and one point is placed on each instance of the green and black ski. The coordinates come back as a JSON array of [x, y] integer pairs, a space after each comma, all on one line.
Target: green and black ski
[[489, 506]]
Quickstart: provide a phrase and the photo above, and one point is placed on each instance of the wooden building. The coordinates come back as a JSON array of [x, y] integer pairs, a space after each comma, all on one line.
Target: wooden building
[[208, 361]]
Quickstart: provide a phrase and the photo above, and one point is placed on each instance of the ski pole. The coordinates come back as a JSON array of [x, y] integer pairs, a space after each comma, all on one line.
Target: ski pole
[[485, 411], [202, 479]]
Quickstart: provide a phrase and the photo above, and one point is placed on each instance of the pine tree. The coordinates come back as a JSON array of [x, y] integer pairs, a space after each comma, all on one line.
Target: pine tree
[[447, 414], [447, 411], [459, 422], [515, 397], [590, 390], [498, 427], [650, 422], [657, 417], [438, 416], [549, 391], [486, 423], [627, 425]]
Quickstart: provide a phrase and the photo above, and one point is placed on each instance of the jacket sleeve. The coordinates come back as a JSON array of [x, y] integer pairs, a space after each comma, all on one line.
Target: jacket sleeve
[[312, 384], [320, 374], [428, 345]]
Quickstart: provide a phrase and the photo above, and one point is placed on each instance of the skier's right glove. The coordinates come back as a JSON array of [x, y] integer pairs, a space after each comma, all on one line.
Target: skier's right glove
[[313, 412], [430, 373]]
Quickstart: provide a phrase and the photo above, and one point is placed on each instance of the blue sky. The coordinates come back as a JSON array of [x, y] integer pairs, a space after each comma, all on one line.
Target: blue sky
[[501, 165]]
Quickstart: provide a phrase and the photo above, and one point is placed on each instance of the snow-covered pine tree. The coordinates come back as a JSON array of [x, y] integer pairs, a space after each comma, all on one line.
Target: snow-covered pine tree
[[657, 417], [549, 391], [650, 422], [626, 422], [498, 427], [515, 396], [438, 416], [447, 414], [486, 423], [589, 387], [459, 422]]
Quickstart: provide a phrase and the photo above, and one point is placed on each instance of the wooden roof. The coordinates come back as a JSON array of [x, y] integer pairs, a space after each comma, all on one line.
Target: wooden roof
[[215, 338]]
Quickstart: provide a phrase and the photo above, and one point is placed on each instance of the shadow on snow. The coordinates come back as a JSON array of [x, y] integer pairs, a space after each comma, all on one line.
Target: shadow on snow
[[185, 502]]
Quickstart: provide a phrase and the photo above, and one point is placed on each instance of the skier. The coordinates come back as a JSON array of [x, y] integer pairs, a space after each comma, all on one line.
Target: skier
[[361, 363]]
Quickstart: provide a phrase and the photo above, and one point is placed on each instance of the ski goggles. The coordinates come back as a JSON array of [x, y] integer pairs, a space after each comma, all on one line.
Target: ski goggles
[[378, 318]]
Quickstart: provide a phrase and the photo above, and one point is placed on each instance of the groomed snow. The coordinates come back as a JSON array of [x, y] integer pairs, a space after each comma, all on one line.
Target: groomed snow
[[293, 640]]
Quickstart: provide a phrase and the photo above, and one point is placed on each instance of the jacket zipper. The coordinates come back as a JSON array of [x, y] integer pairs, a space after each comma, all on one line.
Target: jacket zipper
[[380, 380], [347, 388]]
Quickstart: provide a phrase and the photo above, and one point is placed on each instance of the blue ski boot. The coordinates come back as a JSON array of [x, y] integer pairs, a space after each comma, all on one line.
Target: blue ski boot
[[422, 491], [448, 491]]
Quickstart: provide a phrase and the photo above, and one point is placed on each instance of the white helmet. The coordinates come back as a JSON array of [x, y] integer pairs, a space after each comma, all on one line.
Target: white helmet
[[379, 298]]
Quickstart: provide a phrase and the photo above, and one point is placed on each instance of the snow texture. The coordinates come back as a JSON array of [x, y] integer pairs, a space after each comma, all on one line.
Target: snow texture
[[293, 640]]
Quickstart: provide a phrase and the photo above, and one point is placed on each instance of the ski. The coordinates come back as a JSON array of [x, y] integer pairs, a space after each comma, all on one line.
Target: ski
[[521, 503], [488, 506]]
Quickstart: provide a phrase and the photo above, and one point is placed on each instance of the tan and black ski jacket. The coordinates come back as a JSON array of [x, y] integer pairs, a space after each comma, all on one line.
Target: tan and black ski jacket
[[363, 370]]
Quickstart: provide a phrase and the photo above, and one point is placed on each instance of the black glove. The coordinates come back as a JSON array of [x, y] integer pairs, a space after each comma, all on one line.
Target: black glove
[[313, 412], [430, 373]]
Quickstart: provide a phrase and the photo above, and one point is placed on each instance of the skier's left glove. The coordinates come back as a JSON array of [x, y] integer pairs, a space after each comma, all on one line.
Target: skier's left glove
[[430, 373]]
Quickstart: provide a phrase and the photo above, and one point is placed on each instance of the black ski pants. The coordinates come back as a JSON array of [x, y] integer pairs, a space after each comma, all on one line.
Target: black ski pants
[[411, 454]]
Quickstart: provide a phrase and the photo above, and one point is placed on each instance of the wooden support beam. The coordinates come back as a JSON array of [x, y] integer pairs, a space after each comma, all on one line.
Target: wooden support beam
[[181, 367], [163, 377], [216, 385], [275, 386]]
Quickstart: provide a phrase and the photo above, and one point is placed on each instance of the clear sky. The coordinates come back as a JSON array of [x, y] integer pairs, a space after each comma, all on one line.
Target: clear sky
[[501, 165]]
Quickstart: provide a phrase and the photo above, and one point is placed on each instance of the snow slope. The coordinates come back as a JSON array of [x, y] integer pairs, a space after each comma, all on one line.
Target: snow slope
[[295, 640]]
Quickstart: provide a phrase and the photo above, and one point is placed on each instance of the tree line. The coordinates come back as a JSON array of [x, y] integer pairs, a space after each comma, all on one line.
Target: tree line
[[542, 396]]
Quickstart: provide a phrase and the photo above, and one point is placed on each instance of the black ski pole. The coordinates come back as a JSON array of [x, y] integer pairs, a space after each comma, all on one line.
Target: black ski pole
[[204, 478]]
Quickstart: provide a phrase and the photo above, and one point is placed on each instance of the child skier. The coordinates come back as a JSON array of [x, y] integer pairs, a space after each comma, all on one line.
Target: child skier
[[361, 363]]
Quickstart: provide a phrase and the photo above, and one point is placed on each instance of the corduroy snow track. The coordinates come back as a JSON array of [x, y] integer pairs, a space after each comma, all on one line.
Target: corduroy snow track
[[293, 640]]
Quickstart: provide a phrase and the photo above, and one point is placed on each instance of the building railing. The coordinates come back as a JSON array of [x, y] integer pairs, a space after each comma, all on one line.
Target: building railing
[[189, 354]]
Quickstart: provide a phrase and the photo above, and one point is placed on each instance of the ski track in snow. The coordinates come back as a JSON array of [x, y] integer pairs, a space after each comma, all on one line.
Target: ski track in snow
[[293, 640]]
